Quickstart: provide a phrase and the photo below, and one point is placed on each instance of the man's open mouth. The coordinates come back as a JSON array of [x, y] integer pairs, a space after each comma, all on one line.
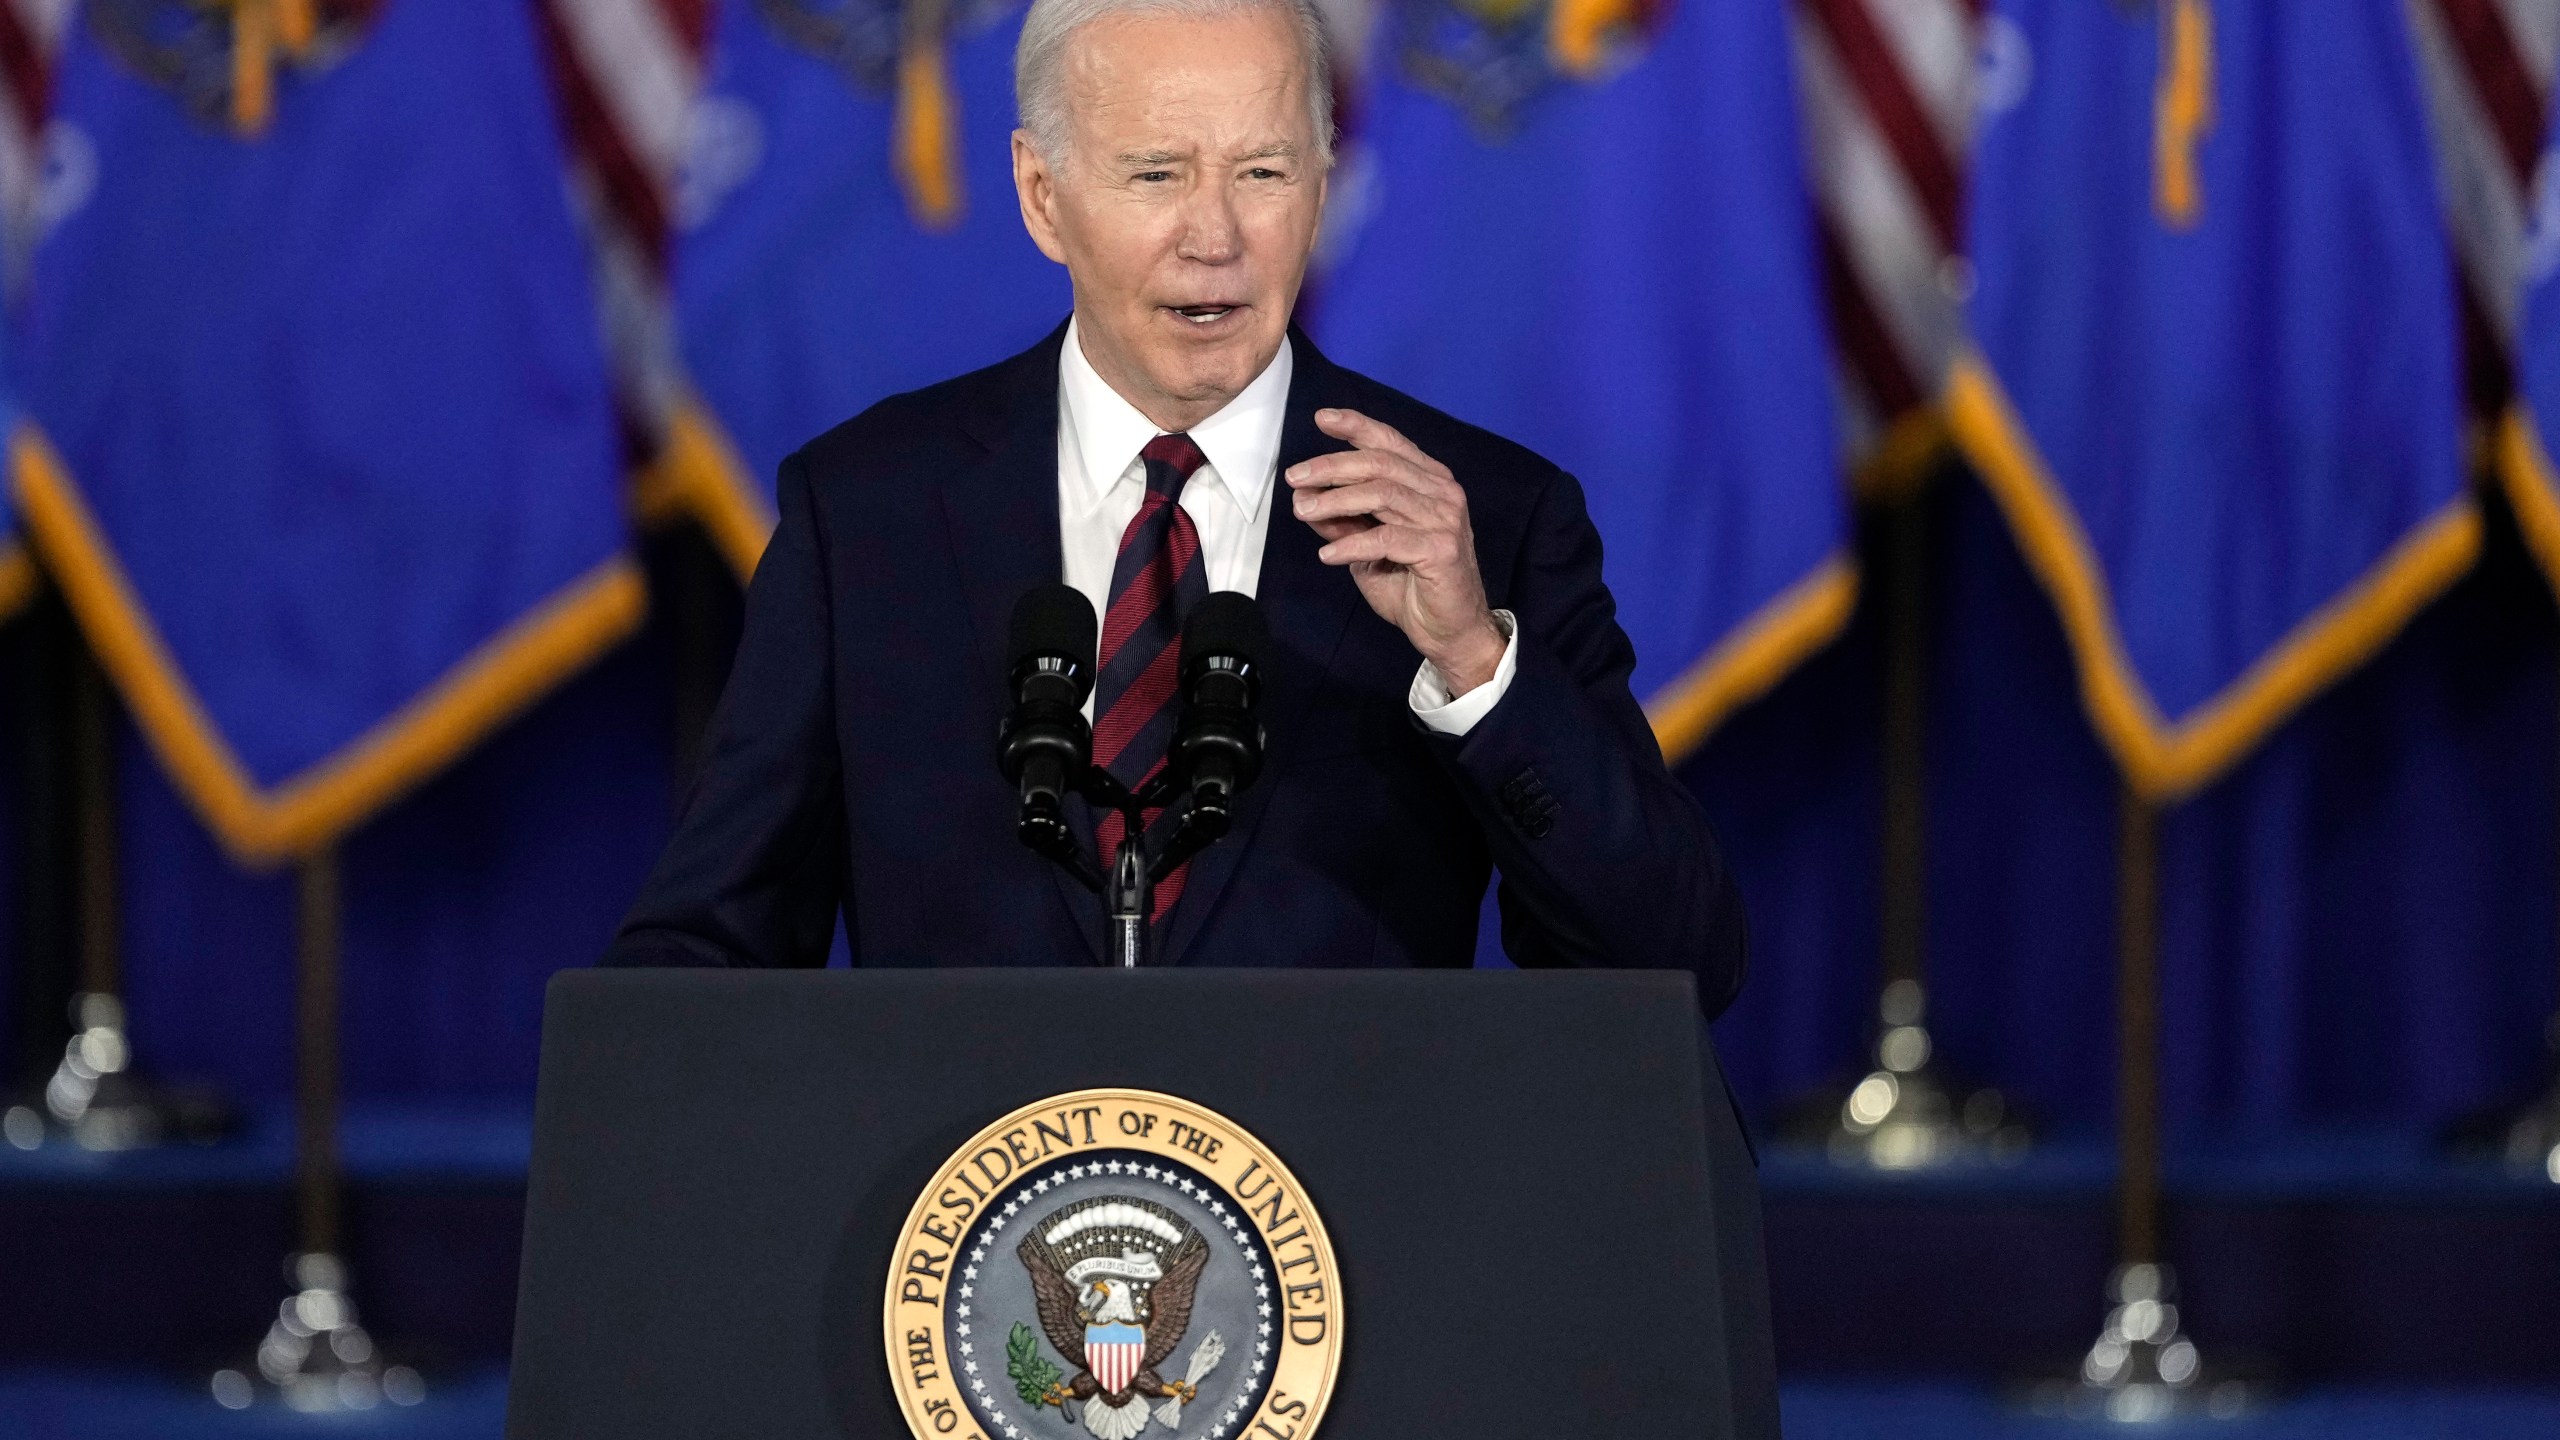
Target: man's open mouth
[[1204, 314]]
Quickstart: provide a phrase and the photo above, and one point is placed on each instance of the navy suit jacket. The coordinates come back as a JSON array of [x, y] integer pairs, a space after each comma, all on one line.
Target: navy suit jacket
[[851, 762]]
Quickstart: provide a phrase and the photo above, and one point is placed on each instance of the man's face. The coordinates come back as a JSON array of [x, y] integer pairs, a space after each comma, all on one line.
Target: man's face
[[1185, 204]]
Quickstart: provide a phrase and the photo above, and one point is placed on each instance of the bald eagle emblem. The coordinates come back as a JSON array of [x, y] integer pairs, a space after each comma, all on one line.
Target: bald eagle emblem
[[1112, 1264], [1113, 1279]]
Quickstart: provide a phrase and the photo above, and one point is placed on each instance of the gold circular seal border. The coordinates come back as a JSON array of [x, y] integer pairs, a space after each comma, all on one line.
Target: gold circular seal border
[[1307, 1298]]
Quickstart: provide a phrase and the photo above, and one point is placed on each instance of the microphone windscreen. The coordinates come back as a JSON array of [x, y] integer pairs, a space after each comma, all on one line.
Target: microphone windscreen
[[1225, 622], [1053, 619]]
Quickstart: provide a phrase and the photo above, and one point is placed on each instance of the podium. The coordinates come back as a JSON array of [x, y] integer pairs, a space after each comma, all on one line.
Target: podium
[[1541, 1210]]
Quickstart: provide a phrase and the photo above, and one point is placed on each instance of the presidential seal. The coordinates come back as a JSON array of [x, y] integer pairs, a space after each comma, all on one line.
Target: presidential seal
[[1110, 1263]]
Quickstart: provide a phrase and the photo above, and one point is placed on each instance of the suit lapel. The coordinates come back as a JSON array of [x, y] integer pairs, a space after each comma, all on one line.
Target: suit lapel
[[1002, 517], [1307, 603]]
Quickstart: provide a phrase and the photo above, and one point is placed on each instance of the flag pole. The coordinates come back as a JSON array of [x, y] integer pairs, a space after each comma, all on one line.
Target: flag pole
[[2137, 1031], [2141, 1368], [316, 1357], [1904, 1113], [48, 917], [2525, 1136], [703, 617], [95, 1098], [315, 1131]]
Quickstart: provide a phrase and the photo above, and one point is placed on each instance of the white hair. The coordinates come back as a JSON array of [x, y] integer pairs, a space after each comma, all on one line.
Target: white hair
[[1039, 60]]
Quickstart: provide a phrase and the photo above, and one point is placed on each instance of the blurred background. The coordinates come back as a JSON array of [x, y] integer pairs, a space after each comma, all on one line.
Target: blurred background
[[2076, 472]]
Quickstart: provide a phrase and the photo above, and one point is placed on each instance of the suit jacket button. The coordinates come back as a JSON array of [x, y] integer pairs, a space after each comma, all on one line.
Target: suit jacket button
[[1542, 816], [1528, 805]]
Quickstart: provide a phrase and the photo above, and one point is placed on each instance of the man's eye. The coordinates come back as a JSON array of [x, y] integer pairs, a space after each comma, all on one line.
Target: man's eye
[[1262, 172], [1152, 175]]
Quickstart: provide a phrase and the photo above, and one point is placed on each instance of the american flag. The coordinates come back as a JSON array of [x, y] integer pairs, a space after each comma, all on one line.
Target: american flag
[[2488, 68], [628, 74], [1887, 91], [30, 36]]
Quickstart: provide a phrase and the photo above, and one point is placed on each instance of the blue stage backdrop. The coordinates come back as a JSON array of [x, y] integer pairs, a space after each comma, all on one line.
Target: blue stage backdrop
[[323, 451], [1593, 239]]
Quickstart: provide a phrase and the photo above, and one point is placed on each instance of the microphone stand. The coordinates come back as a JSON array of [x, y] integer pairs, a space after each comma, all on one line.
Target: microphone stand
[[1045, 747], [1130, 901], [1128, 887]]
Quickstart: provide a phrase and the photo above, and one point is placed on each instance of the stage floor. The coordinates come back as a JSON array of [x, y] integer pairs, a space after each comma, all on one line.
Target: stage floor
[[56, 1405]]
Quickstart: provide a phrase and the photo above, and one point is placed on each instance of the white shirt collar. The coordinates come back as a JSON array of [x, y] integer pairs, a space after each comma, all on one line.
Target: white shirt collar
[[1241, 441]]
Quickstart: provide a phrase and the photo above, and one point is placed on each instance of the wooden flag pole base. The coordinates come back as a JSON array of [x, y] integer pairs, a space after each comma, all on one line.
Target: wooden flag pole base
[[316, 1357]]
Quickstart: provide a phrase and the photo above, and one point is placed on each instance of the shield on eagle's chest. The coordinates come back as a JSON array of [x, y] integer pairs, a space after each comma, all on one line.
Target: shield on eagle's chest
[[1113, 1353]]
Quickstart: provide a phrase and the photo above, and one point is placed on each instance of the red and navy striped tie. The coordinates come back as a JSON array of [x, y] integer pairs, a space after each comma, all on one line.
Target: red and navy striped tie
[[1154, 583]]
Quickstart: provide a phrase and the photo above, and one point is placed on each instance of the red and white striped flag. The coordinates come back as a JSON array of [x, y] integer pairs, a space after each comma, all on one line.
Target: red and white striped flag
[[1887, 90], [30, 36], [2488, 67], [628, 73]]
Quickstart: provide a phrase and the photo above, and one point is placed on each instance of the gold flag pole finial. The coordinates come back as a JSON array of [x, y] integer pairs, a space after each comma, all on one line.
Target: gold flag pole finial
[[259, 28], [2182, 111], [253, 45], [296, 22], [926, 140], [1579, 32]]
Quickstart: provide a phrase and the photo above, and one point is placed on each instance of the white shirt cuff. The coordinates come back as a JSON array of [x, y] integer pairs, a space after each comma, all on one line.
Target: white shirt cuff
[[1429, 696]]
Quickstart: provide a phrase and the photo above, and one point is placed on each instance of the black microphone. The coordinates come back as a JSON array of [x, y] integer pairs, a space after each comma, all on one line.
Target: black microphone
[[1217, 743], [1045, 745]]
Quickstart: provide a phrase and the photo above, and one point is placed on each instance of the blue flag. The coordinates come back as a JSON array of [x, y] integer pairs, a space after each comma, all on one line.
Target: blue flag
[[2216, 380], [850, 224], [325, 463], [2526, 440], [1615, 267]]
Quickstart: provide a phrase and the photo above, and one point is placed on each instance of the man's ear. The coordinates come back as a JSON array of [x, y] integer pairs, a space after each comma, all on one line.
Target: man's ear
[[1037, 189]]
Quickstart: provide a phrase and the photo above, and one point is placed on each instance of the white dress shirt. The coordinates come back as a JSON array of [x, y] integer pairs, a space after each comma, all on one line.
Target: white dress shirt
[[1102, 481]]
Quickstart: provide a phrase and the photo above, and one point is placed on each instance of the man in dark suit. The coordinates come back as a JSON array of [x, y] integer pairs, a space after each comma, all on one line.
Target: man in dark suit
[[1447, 687]]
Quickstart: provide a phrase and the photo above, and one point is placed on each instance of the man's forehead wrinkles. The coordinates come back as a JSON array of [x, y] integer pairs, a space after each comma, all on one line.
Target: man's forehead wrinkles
[[1166, 155]]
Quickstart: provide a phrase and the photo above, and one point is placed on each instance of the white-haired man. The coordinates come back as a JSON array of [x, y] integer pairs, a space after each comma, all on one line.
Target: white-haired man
[[1447, 688]]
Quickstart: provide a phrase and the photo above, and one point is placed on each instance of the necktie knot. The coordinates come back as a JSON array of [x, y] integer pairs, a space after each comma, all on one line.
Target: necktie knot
[[1170, 461]]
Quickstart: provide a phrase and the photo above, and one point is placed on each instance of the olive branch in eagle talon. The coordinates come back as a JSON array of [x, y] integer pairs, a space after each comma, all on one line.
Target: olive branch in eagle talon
[[1034, 1378]]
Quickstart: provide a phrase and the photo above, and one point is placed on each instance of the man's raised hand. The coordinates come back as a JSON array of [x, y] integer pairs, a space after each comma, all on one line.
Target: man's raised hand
[[1398, 519]]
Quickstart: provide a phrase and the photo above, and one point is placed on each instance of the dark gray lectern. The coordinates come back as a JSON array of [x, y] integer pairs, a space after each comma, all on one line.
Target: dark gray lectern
[[1544, 1212]]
